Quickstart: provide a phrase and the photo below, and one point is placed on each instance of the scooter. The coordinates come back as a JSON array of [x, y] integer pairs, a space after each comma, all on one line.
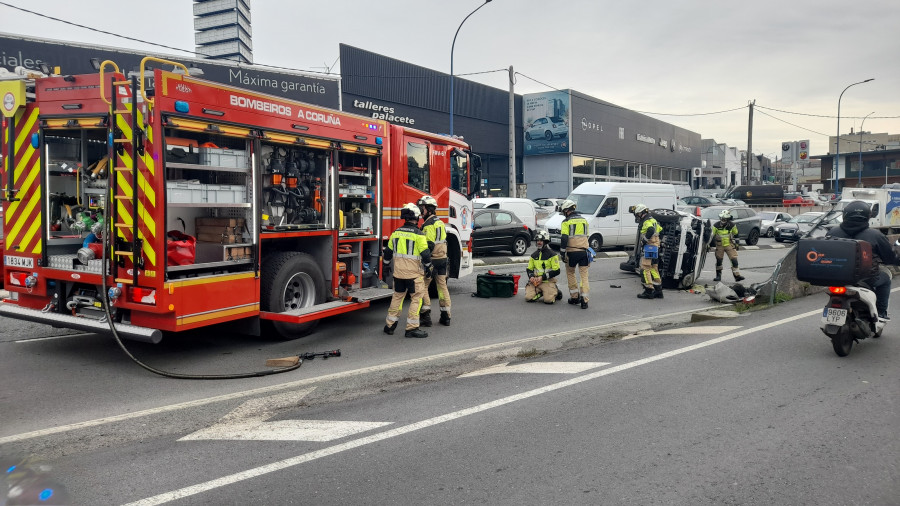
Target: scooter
[[849, 316]]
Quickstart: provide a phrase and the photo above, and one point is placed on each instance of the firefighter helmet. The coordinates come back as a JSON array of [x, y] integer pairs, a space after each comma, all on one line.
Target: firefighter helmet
[[567, 205], [542, 235], [427, 200], [640, 209], [410, 211], [725, 215]]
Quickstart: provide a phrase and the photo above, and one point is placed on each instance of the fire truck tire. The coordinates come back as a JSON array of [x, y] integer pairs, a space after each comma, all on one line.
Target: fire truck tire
[[291, 280]]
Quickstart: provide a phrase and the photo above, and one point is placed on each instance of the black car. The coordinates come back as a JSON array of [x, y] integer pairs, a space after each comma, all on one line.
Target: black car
[[496, 229]]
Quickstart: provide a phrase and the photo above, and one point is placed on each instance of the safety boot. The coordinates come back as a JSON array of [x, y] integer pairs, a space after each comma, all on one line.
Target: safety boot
[[718, 276], [646, 294], [657, 292], [558, 294], [445, 318], [389, 329], [575, 300], [425, 318], [416, 333], [738, 277], [584, 303]]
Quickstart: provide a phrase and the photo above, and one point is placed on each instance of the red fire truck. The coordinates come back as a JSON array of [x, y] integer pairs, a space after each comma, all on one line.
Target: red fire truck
[[185, 203]]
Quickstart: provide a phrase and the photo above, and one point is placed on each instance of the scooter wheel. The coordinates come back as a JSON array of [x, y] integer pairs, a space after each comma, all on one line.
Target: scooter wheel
[[842, 343]]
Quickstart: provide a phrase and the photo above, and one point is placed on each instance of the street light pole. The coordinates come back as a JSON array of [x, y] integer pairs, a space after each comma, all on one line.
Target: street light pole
[[859, 184], [837, 156], [452, 47]]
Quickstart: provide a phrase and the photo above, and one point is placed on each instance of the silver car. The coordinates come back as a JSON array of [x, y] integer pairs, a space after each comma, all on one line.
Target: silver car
[[547, 128], [746, 219], [770, 220]]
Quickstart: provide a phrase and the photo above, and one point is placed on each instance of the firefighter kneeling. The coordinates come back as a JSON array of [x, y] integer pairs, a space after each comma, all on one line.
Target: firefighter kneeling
[[543, 267], [407, 251], [650, 242], [724, 233]]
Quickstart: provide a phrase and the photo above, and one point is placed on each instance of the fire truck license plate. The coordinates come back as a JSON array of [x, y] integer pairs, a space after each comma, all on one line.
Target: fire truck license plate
[[835, 316], [25, 262]]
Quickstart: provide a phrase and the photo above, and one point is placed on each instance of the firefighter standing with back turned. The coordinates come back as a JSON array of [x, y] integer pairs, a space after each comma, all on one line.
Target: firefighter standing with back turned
[[724, 237], [573, 249], [408, 253], [436, 235], [650, 229]]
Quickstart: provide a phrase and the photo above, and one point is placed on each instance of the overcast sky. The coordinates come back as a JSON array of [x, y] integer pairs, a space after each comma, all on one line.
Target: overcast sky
[[675, 60]]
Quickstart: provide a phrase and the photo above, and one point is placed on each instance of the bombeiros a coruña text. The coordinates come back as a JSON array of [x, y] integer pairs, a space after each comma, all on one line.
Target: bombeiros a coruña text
[[284, 110]]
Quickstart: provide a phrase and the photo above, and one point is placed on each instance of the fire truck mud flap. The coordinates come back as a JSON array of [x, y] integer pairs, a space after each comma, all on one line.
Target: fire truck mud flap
[[126, 331]]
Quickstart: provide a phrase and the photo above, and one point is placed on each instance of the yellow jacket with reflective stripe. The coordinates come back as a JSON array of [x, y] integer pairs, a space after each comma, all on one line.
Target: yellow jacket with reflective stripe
[[436, 233], [651, 224], [410, 251], [724, 235], [574, 232], [544, 263]]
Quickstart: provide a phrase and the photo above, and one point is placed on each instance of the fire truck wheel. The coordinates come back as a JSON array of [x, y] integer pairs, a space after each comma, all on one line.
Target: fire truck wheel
[[291, 281]]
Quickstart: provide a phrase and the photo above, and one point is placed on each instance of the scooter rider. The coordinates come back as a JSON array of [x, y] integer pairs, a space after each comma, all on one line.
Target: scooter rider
[[543, 267], [855, 225], [573, 249], [650, 229], [408, 251], [724, 237], [436, 235]]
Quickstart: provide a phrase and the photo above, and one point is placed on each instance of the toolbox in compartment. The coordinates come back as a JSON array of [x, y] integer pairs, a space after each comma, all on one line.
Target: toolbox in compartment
[[222, 157], [834, 261], [182, 150]]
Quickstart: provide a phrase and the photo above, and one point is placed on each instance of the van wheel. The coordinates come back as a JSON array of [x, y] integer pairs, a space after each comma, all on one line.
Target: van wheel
[[288, 281], [666, 215], [753, 237], [596, 242]]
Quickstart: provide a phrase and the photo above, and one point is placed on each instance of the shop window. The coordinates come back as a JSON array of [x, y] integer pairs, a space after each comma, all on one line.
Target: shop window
[[578, 180], [582, 165], [601, 167], [417, 166], [617, 169]]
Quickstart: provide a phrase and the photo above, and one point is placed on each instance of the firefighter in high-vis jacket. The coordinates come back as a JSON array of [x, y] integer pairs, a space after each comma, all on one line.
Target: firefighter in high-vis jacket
[[573, 248], [543, 267], [650, 229], [436, 234], [724, 238], [408, 255]]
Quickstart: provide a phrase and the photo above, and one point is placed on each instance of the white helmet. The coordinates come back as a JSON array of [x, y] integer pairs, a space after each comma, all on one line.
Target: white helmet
[[725, 215], [410, 211], [640, 208], [427, 200], [567, 204], [542, 235]]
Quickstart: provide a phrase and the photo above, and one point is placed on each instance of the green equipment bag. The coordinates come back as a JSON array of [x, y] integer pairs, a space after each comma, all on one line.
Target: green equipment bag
[[494, 285]]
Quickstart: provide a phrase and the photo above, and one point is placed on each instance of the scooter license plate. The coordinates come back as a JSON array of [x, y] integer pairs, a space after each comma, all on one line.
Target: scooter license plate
[[835, 316]]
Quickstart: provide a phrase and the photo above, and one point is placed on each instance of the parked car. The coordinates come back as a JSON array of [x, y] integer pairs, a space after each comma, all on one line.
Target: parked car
[[496, 229], [802, 223], [548, 204], [546, 128], [526, 210], [684, 207], [771, 219], [696, 200], [797, 200], [748, 222]]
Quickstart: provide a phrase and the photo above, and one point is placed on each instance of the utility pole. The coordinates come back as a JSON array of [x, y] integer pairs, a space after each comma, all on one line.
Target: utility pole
[[750, 145], [512, 133]]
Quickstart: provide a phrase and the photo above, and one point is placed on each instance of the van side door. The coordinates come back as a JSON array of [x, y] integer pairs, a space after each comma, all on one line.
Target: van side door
[[607, 220]]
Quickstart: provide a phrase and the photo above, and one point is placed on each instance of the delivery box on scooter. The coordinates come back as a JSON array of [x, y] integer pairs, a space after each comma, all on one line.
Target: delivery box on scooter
[[833, 261]]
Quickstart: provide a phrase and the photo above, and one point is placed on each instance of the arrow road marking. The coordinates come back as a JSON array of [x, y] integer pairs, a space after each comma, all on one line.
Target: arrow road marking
[[537, 368], [248, 422]]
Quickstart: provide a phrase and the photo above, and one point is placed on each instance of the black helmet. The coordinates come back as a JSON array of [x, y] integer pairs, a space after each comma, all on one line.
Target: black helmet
[[857, 212]]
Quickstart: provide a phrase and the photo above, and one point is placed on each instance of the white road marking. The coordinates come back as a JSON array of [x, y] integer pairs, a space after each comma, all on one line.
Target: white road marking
[[326, 377], [537, 368], [712, 329], [248, 422], [34, 339], [399, 431]]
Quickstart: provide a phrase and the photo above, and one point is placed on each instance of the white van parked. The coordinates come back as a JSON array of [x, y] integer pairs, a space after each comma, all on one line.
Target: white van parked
[[524, 209], [606, 208]]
